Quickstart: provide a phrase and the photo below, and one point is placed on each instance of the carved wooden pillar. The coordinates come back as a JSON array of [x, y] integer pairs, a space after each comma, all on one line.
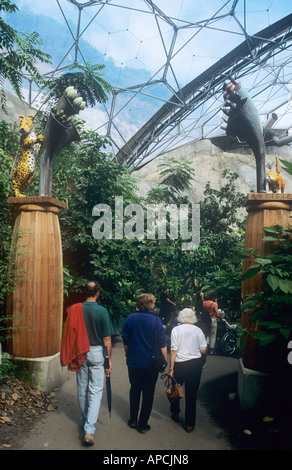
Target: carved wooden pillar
[[264, 210], [36, 305]]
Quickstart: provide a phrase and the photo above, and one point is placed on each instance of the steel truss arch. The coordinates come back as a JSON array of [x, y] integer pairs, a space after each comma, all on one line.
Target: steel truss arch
[[163, 108], [250, 55]]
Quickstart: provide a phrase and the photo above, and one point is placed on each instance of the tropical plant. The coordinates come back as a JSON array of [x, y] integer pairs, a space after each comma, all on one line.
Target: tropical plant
[[7, 367], [225, 286], [220, 207], [215, 266], [9, 148], [87, 79], [271, 308], [216, 263], [20, 53], [6, 218], [85, 176], [175, 178], [288, 166]]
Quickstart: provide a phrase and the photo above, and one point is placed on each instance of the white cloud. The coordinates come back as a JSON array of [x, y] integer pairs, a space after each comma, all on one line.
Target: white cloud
[[47, 8]]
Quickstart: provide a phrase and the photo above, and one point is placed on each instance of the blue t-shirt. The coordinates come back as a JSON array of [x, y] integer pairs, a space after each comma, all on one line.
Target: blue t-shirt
[[138, 334]]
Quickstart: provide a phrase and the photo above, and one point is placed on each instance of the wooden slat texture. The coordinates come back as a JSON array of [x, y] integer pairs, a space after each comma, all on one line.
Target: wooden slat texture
[[264, 210], [38, 296]]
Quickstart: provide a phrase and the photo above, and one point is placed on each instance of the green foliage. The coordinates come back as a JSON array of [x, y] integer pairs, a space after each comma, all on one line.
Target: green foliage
[[272, 306], [88, 81], [5, 230], [84, 176], [9, 146], [8, 142], [20, 53], [219, 257], [216, 263], [7, 367], [177, 177], [6, 5], [226, 287], [6, 221], [288, 166], [127, 267], [219, 209]]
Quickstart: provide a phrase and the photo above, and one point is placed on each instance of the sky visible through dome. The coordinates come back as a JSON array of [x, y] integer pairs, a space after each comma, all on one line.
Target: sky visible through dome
[[151, 50]]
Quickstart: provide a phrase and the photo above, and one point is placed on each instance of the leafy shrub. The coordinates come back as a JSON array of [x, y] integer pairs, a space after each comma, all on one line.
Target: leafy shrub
[[273, 305], [7, 367]]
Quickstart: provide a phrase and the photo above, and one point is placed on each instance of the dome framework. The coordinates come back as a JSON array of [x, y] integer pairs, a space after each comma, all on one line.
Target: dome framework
[[173, 107]]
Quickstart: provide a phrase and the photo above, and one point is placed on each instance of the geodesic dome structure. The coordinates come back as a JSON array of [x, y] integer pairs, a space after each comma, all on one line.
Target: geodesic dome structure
[[168, 61]]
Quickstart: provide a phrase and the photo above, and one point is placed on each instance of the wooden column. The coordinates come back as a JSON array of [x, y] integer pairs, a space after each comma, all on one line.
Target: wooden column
[[264, 210], [36, 304]]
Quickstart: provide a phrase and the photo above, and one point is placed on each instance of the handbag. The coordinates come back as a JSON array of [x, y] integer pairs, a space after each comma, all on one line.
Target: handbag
[[158, 363], [174, 390]]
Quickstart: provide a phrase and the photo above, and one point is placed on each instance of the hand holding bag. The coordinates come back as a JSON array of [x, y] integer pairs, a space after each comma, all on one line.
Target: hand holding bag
[[174, 390], [158, 363]]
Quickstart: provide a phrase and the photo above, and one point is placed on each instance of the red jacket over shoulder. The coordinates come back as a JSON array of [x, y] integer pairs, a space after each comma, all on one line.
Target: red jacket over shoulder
[[75, 343]]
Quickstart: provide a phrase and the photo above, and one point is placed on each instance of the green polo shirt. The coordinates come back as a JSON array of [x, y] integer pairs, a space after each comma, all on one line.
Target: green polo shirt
[[98, 323]]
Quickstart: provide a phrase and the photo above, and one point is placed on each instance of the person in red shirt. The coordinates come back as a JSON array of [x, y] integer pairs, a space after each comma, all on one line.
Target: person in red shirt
[[211, 307]]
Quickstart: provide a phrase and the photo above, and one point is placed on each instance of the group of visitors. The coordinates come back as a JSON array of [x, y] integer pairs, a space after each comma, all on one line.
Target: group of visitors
[[206, 310], [87, 341]]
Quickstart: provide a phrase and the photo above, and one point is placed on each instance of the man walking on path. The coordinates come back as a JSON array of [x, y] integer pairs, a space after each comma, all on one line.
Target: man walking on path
[[85, 343], [166, 306]]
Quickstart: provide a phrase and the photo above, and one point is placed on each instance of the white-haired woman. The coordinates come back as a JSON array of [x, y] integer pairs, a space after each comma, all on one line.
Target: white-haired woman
[[188, 351]]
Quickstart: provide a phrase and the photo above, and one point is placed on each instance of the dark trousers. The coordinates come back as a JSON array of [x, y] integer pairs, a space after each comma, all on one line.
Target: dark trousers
[[188, 373], [143, 382], [164, 316]]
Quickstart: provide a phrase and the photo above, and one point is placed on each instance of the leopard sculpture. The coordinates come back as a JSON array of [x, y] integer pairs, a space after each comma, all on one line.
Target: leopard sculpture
[[30, 145], [276, 181]]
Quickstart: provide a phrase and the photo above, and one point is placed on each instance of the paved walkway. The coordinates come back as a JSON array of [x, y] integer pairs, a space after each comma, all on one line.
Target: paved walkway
[[219, 425]]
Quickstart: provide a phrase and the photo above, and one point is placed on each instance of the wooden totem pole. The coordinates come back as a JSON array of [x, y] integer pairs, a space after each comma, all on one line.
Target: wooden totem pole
[[264, 209], [36, 305]]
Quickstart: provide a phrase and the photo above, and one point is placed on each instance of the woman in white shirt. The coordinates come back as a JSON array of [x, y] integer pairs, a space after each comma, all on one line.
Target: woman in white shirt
[[188, 351]]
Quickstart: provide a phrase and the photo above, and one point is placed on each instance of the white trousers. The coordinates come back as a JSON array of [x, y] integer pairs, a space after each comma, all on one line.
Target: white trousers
[[213, 331]]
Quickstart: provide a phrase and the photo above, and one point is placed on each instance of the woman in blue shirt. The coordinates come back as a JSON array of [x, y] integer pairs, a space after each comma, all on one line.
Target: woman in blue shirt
[[138, 337]]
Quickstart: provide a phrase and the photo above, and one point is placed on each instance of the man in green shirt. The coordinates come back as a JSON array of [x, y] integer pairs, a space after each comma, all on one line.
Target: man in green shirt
[[90, 377]]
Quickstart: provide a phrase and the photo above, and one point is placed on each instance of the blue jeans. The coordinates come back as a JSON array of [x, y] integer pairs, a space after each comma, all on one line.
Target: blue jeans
[[90, 379]]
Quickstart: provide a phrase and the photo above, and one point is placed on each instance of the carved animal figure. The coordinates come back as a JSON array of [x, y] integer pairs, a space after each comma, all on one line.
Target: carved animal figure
[[276, 181], [244, 123], [232, 98], [24, 173]]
